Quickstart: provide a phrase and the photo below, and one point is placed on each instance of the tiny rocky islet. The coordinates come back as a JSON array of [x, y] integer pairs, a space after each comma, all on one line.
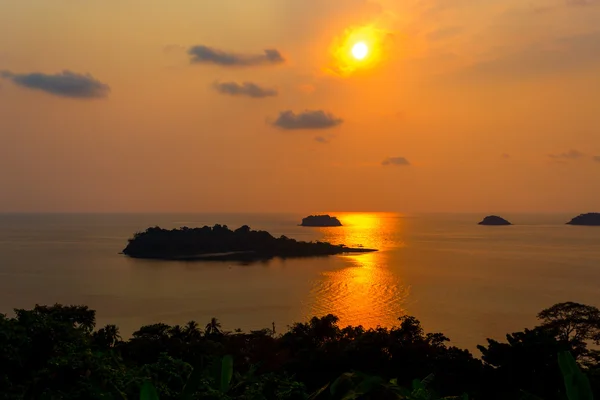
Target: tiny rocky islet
[[494, 220], [589, 219], [320, 221]]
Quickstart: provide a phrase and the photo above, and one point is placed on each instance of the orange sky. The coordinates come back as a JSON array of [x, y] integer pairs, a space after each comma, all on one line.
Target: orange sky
[[475, 105]]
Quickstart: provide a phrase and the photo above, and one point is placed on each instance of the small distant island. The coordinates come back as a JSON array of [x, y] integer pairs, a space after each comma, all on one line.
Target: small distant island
[[222, 243], [494, 220], [320, 221], [589, 219]]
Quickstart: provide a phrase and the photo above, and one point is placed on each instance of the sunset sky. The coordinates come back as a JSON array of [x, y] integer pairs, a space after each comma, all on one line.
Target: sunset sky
[[256, 105]]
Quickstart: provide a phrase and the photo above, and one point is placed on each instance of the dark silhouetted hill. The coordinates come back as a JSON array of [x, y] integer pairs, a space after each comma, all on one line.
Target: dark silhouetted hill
[[320, 220], [494, 220], [589, 219], [221, 243]]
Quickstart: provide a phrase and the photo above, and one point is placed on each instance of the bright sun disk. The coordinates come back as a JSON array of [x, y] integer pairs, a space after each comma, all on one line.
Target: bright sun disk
[[360, 50]]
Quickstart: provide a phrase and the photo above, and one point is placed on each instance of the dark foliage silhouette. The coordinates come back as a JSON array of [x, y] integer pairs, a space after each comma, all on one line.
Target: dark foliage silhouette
[[221, 243], [53, 352], [213, 327]]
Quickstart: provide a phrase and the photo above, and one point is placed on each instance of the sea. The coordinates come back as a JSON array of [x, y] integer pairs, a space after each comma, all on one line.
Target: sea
[[467, 281]]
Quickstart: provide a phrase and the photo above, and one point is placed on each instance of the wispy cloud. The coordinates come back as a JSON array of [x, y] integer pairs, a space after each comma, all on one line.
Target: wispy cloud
[[553, 56], [444, 33], [542, 9], [208, 55], [505, 156], [247, 89], [308, 19], [64, 84], [395, 161], [309, 119], [578, 3], [596, 158], [173, 48], [569, 155], [322, 139]]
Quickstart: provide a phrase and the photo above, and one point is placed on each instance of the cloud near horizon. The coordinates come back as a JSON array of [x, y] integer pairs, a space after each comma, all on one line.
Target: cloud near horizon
[[569, 155], [208, 55], [324, 140], [247, 89], [64, 84], [309, 119], [395, 161]]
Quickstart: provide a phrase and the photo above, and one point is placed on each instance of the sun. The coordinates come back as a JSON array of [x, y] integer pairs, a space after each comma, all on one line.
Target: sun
[[360, 50], [357, 49]]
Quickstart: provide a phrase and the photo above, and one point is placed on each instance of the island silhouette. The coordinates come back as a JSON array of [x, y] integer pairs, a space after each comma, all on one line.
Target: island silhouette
[[222, 243], [589, 219], [494, 220], [320, 221]]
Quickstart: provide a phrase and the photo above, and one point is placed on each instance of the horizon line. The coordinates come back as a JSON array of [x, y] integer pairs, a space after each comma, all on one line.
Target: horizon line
[[285, 212]]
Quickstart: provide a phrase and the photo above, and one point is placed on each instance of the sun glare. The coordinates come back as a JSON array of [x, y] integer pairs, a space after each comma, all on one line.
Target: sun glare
[[360, 50]]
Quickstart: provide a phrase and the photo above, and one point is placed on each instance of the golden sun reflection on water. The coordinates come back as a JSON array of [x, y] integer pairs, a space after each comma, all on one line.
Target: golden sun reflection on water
[[361, 289]]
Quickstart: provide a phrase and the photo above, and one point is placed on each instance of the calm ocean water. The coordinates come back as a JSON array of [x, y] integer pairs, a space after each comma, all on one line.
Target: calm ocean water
[[467, 281]]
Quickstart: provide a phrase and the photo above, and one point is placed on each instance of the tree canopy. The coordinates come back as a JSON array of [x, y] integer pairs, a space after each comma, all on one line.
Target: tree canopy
[[56, 352]]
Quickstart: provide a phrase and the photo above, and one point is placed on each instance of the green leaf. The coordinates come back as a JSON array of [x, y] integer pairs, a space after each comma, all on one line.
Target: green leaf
[[192, 384], [416, 385], [226, 373], [117, 391], [342, 384], [352, 395], [577, 384], [426, 382], [565, 361], [221, 372], [368, 384], [528, 396], [316, 394], [421, 394], [148, 392], [404, 392]]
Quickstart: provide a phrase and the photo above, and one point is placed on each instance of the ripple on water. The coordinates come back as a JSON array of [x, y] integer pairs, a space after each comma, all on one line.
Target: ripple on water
[[364, 292]]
